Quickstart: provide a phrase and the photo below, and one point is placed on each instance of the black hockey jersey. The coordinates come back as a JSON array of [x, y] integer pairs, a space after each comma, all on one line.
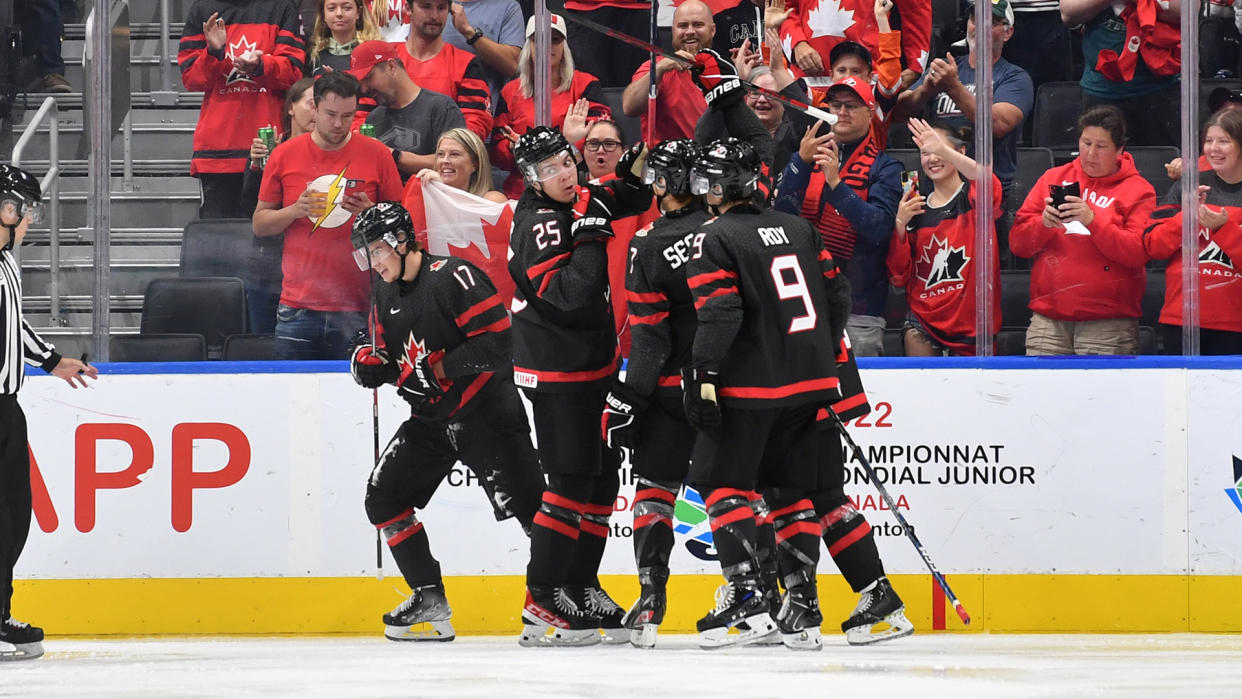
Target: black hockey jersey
[[452, 308], [767, 294], [662, 317], [564, 336]]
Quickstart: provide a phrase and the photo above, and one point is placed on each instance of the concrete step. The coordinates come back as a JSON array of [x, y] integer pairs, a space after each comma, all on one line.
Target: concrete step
[[142, 116], [143, 169], [168, 141], [137, 29], [83, 255], [141, 49], [78, 303], [73, 100], [82, 319], [164, 202], [148, 12], [37, 236], [78, 279]]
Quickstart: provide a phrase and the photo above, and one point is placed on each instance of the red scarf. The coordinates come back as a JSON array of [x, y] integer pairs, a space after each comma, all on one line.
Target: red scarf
[[1159, 43], [838, 234]]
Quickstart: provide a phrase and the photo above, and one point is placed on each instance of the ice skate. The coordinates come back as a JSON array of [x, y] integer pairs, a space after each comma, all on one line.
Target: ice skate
[[736, 602], [879, 616], [423, 616], [799, 619], [20, 641], [598, 604], [551, 617], [772, 593], [644, 618]]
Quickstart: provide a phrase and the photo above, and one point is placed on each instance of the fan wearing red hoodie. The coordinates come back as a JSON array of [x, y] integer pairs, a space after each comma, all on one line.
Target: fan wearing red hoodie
[[1087, 274], [1220, 243], [933, 253]]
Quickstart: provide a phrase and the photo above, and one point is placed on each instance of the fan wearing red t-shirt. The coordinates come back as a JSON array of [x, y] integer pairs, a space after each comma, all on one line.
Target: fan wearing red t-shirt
[[313, 186], [933, 253], [680, 102]]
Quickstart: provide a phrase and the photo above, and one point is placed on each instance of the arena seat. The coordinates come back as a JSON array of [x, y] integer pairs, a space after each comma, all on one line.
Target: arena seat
[[1015, 295], [158, 347], [1150, 162], [1032, 164], [894, 345], [216, 247], [214, 307], [250, 348], [1057, 107]]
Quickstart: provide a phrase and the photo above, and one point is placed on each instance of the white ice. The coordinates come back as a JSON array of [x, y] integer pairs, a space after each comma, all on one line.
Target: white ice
[[1180, 665]]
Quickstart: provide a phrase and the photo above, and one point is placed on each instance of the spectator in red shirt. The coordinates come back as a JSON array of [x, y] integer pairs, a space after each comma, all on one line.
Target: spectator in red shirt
[[515, 113], [242, 56], [1087, 276], [814, 27], [680, 102], [312, 187], [340, 25]]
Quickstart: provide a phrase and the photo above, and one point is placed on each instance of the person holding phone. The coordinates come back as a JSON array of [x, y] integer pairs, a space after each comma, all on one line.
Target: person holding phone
[[1087, 275]]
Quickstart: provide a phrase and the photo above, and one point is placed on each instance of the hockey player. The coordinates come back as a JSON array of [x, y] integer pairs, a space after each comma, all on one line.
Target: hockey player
[[20, 205], [769, 301], [442, 337], [565, 356]]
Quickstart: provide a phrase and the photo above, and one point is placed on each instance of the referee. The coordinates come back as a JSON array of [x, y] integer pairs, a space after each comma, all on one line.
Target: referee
[[20, 206]]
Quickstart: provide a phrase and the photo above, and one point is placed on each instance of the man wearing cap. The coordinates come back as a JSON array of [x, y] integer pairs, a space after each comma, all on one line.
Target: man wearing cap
[[849, 189], [1132, 60], [680, 102], [408, 119], [949, 85], [815, 26], [492, 31]]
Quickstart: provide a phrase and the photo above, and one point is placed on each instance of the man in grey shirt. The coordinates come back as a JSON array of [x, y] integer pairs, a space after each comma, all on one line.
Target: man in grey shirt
[[409, 119], [494, 31]]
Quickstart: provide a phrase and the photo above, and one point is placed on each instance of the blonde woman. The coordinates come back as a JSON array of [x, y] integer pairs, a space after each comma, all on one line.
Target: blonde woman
[[461, 163], [340, 25], [391, 18]]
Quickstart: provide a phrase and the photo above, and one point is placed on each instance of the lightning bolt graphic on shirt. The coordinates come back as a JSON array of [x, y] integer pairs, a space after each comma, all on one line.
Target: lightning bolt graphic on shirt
[[334, 191]]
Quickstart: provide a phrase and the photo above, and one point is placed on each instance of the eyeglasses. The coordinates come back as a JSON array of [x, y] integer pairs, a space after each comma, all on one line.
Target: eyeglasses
[[606, 146], [839, 106]]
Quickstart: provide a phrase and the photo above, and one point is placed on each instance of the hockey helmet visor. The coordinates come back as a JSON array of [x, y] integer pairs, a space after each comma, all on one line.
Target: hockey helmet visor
[[674, 160], [728, 169], [536, 147], [23, 190], [377, 232]]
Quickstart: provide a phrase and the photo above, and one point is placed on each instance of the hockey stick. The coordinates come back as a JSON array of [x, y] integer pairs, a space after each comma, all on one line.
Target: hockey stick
[[653, 89], [905, 526], [375, 427]]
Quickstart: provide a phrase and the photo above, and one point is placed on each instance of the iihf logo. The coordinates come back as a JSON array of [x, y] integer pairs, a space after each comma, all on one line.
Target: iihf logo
[[1235, 493]]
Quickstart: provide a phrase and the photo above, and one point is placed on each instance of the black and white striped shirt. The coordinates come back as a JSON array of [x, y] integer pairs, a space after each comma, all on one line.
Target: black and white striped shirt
[[19, 342]]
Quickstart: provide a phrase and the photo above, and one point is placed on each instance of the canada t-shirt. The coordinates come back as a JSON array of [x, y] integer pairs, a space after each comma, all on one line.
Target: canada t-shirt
[[319, 269]]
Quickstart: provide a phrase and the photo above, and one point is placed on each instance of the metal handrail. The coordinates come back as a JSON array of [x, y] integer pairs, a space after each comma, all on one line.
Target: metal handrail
[[50, 184]]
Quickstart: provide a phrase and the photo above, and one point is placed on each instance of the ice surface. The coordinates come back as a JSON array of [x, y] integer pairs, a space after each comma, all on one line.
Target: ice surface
[[924, 665]]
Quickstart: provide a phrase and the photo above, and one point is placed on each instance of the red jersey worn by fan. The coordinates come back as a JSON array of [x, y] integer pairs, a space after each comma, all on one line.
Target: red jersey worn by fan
[[826, 23], [1220, 251], [318, 266], [937, 264], [678, 107], [1099, 276], [236, 105], [458, 74], [518, 113], [623, 230]]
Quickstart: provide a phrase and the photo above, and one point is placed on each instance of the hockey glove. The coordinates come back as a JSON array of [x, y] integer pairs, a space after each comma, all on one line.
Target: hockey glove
[[630, 166], [420, 377], [371, 368], [718, 80], [619, 424], [592, 216], [698, 387]]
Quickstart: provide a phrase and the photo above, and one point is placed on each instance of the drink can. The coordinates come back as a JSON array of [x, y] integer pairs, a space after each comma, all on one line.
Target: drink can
[[267, 134], [367, 130]]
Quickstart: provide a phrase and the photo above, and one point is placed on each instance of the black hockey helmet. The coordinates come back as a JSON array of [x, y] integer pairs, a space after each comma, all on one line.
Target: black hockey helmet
[[537, 145], [387, 221], [23, 188], [673, 160], [727, 168]]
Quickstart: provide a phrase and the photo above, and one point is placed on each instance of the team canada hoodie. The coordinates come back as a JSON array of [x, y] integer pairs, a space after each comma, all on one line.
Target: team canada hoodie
[[1098, 276]]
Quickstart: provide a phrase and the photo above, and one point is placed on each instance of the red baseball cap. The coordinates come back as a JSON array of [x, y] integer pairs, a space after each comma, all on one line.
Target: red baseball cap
[[858, 87], [369, 54]]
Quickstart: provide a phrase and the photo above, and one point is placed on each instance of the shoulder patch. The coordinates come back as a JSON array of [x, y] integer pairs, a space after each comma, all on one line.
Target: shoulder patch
[[710, 221], [435, 266], [642, 232]]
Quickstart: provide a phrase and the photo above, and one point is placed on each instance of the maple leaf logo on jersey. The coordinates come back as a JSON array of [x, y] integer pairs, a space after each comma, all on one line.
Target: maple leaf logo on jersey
[[237, 50], [941, 264], [828, 19]]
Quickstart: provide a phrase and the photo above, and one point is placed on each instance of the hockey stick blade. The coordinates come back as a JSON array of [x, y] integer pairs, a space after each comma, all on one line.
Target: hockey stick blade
[[905, 526]]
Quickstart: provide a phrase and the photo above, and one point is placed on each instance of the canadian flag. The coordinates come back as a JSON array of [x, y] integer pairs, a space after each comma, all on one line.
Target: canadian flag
[[449, 221]]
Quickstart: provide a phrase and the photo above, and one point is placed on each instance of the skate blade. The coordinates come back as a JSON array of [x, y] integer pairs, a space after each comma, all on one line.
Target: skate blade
[[891, 627], [615, 636], [772, 639], [537, 636], [759, 627], [20, 651], [644, 637], [806, 639], [422, 631]]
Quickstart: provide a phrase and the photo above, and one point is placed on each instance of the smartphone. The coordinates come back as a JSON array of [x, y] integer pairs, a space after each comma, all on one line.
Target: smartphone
[[1059, 192], [909, 181]]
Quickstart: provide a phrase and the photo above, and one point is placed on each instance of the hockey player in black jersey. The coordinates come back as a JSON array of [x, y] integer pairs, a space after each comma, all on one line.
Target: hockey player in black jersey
[[771, 305], [565, 357], [443, 338]]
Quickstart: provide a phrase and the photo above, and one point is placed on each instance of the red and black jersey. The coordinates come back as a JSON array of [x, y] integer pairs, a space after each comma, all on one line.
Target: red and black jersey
[[662, 316], [762, 282], [518, 113], [564, 333], [458, 74], [236, 105], [451, 307], [936, 264]]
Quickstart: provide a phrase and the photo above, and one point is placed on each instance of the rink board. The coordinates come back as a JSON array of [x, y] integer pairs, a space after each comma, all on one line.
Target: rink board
[[1057, 496]]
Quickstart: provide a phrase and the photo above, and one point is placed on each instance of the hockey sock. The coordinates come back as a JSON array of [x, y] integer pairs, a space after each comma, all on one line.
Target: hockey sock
[[733, 531], [411, 549], [851, 543], [593, 531], [554, 533], [797, 535], [766, 551], [653, 523]]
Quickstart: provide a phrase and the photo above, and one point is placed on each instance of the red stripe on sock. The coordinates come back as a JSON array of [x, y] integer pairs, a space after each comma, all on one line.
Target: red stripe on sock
[[656, 494], [735, 515], [404, 534], [800, 527], [834, 516], [592, 529], [597, 509], [721, 493], [652, 519], [849, 539], [394, 520], [798, 506], [560, 501], [555, 525]]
